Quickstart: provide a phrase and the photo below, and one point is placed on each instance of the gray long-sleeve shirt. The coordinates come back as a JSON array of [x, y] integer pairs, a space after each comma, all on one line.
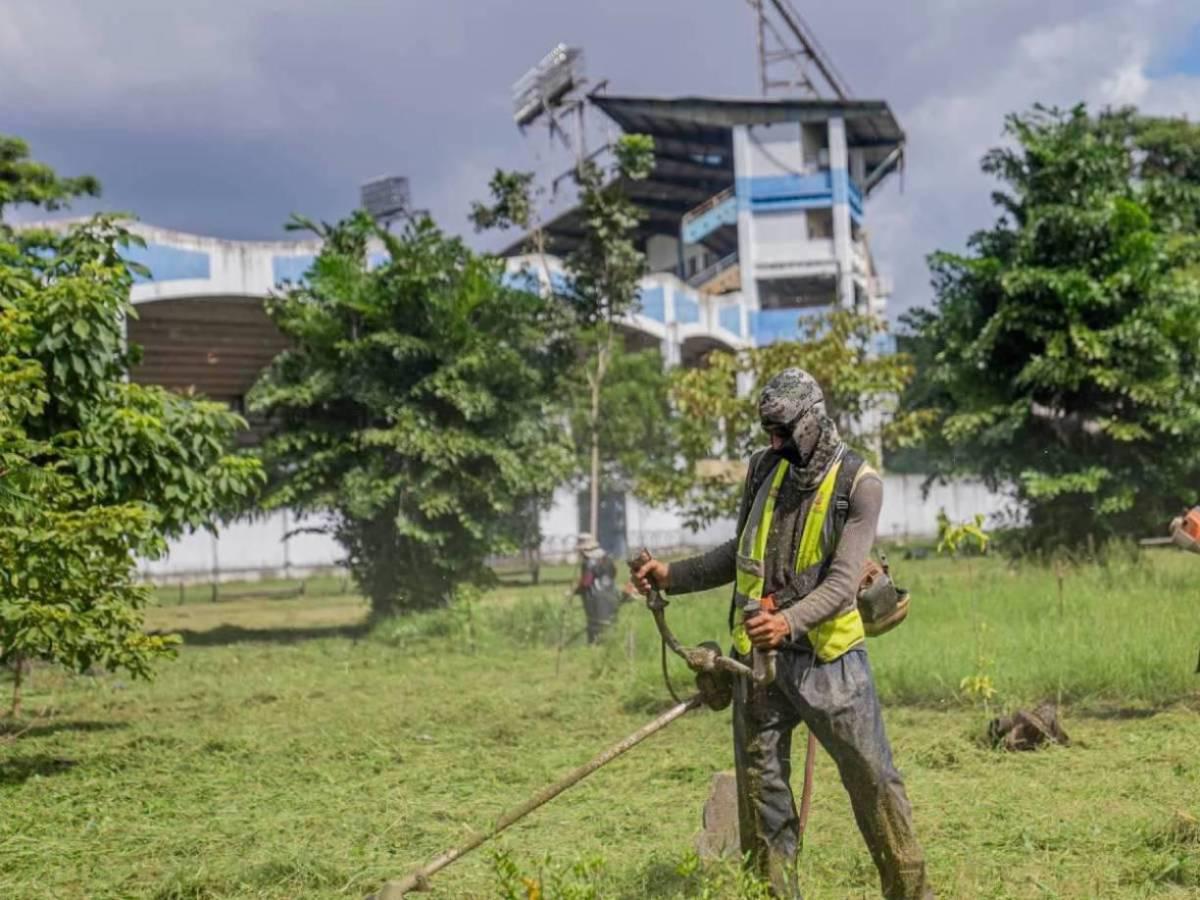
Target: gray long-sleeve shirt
[[837, 591]]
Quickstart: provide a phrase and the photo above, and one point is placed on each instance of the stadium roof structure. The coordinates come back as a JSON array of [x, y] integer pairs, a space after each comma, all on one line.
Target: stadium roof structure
[[693, 152]]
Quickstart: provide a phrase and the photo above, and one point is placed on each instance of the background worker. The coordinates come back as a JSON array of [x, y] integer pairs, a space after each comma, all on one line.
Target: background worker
[[1185, 532], [805, 528], [597, 586]]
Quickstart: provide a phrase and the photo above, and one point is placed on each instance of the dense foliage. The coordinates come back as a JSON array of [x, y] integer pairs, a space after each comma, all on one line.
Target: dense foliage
[[1062, 356], [67, 591], [413, 407], [635, 437], [93, 469], [604, 272], [617, 400]]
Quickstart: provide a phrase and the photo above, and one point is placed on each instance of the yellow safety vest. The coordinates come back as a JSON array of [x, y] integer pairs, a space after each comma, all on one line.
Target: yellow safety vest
[[818, 541]]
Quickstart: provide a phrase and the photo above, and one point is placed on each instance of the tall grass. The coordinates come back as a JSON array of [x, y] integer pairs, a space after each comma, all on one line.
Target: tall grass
[[1123, 634]]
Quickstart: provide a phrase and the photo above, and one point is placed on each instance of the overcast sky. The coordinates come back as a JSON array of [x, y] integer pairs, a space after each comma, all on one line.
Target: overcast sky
[[224, 116]]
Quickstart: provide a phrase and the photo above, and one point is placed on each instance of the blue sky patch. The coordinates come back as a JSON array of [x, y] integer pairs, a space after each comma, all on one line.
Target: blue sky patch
[[1183, 60]]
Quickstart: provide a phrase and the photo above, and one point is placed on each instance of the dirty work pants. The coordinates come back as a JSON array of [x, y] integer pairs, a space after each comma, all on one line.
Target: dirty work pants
[[600, 607], [837, 701]]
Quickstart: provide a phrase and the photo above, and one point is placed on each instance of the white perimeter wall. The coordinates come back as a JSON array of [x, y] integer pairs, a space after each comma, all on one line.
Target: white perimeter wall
[[259, 548], [560, 524], [662, 529], [254, 548], [906, 514]]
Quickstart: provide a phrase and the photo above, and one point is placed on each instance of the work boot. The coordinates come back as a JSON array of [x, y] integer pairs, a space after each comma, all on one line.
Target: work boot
[[907, 882], [784, 878]]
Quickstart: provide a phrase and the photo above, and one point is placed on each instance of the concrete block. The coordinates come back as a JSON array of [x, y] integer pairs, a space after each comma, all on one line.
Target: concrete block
[[718, 838]]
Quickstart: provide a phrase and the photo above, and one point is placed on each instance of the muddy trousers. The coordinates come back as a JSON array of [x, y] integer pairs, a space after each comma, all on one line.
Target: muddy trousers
[[600, 607], [838, 702]]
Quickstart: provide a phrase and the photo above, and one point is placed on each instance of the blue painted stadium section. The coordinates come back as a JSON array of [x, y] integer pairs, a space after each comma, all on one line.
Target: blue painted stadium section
[[724, 213], [766, 193], [769, 192], [730, 318], [769, 326], [653, 304], [839, 180], [847, 192], [168, 263], [290, 268], [521, 280], [687, 309], [856, 201], [560, 283]]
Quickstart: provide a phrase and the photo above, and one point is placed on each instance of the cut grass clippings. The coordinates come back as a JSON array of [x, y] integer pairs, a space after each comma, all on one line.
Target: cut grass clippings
[[288, 753]]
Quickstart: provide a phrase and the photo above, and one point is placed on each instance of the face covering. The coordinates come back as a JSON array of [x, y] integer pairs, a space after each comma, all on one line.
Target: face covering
[[792, 403]]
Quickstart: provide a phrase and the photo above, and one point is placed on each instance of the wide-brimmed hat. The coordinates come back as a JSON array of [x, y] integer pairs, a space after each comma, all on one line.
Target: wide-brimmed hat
[[585, 542]]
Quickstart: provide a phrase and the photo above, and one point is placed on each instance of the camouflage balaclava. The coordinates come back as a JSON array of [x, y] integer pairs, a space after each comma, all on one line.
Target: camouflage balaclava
[[793, 398]]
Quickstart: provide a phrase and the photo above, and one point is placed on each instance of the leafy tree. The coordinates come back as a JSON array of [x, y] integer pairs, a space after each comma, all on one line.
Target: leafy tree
[[515, 196], [412, 407], [601, 287], [514, 205], [27, 181], [634, 428], [636, 439], [717, 427], [1061, 357], [93, 470], [604, 273]]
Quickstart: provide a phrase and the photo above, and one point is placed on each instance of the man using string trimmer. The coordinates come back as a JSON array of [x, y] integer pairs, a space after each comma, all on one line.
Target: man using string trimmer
[[806, 525]]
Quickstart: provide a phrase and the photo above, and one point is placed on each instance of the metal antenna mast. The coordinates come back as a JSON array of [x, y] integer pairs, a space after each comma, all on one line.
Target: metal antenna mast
[[789, 54]]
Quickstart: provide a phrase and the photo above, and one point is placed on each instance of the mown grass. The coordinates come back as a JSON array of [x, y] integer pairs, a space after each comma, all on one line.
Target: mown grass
[[289, 753]]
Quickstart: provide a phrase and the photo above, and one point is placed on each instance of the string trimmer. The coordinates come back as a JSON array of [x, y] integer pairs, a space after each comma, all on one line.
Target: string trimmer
[[714, 689]]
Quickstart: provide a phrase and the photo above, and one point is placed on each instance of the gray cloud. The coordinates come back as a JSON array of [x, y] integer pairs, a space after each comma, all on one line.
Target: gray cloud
[[225, 116], [1098, 54]]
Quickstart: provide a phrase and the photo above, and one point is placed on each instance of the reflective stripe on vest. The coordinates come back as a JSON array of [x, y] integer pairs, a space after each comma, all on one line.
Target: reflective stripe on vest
[[818, 542], [752, 551]]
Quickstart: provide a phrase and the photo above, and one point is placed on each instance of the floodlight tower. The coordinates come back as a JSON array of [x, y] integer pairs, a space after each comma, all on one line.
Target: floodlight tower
[[386, 199], [553, 91]]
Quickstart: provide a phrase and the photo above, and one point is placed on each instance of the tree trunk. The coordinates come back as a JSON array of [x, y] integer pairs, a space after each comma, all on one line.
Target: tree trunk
[[535, 545], [594, 428], [18, 673], [594, 519]]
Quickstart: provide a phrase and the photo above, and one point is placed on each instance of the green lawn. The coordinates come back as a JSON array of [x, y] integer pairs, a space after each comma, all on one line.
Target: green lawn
[[287, 753]]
